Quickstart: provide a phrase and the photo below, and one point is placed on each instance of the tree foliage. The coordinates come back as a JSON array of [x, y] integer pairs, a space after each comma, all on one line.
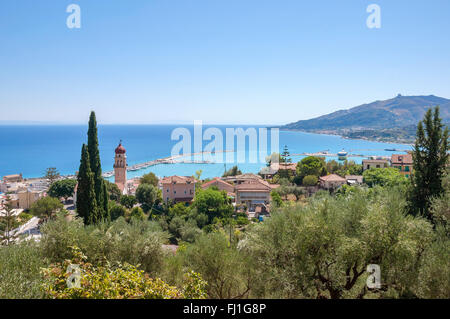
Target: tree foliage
[[430, 157], [115, 282], [51, 174], [128, 201], [311, 165], [20, 266], [149, 178], [113, 191], [234, 171], [46, 207], [86, 199], [388, 176], [224, 269], [310, 180], [8, 222], [62, 188], [213, 203], [148, 195], [117, 211], [96, 168], [135, 242], [322, 250]]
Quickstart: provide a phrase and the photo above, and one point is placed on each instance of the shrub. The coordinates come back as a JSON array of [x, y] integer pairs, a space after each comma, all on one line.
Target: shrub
[[117, 211], [119, 282], [46, 207], [222, 266], [388, 176], [20, 266], [128, 201], [136, 242], [321, 250], [310, 180], [137, 213]]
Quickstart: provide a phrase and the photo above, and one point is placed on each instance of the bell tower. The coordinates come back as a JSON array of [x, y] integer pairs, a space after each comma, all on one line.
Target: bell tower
[[120, 167]]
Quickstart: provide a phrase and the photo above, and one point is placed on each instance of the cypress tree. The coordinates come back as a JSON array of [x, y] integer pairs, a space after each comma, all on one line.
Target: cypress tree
[[94, 156], [106, 215], [430, 159], [86, 201]]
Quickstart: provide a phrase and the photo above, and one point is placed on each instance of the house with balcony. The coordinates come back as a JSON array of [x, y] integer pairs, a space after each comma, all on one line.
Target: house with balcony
[[331, 182], [178, 188], [374, 163], [254, 193], [404, 162]]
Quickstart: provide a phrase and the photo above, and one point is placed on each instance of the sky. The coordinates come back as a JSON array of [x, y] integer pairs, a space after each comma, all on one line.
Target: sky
[[222, 62]]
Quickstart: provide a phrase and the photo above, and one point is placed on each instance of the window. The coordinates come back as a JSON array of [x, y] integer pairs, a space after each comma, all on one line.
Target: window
[[406, 168], [378, 166]]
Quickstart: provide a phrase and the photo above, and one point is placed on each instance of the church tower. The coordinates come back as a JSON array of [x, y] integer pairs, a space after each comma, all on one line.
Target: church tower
[[120, 167]]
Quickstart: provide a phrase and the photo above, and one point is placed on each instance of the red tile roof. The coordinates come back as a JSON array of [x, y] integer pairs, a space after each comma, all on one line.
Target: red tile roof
[[254, 185], [332, 178], [178, 180], [404, 159], [214, 181]]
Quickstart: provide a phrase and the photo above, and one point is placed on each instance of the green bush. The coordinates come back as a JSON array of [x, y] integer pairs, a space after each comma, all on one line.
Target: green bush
[[128, 201], [223, 267], [321, 250], [136, 242], [119, 282], [388, 176], [117, 211], [20, 266], [310, 180], [137, 213]]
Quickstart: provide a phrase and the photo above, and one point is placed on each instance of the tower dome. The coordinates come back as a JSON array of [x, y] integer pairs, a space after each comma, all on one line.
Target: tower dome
[[120, 149]]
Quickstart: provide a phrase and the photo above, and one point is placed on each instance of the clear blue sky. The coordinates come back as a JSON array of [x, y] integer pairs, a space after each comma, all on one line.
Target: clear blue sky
[[220, 61]]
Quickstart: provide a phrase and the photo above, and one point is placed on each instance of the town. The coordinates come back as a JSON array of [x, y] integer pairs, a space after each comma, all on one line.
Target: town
[[251, 195], [224, 159]]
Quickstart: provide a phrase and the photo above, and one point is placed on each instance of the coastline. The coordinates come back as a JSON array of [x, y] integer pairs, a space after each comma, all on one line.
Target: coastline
[[332, 133], [149, 143]]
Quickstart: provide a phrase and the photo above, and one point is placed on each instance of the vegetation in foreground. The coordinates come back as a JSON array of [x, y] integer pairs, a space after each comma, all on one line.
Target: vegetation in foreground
[[319, 248]]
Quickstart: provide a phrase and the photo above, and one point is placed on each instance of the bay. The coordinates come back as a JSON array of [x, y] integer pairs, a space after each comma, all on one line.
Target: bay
[[30, 149]]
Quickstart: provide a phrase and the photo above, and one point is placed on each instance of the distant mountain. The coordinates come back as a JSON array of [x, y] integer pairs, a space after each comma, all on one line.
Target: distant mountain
[[399, 112]]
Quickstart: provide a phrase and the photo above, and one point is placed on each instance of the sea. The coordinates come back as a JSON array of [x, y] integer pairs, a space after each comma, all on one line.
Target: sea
[[30, 149]]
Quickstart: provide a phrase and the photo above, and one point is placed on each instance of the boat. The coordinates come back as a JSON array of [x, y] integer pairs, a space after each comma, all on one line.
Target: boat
[[342, 153]]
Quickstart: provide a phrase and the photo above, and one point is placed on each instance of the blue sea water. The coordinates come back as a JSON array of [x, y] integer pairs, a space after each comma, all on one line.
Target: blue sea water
[[30, 149]]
